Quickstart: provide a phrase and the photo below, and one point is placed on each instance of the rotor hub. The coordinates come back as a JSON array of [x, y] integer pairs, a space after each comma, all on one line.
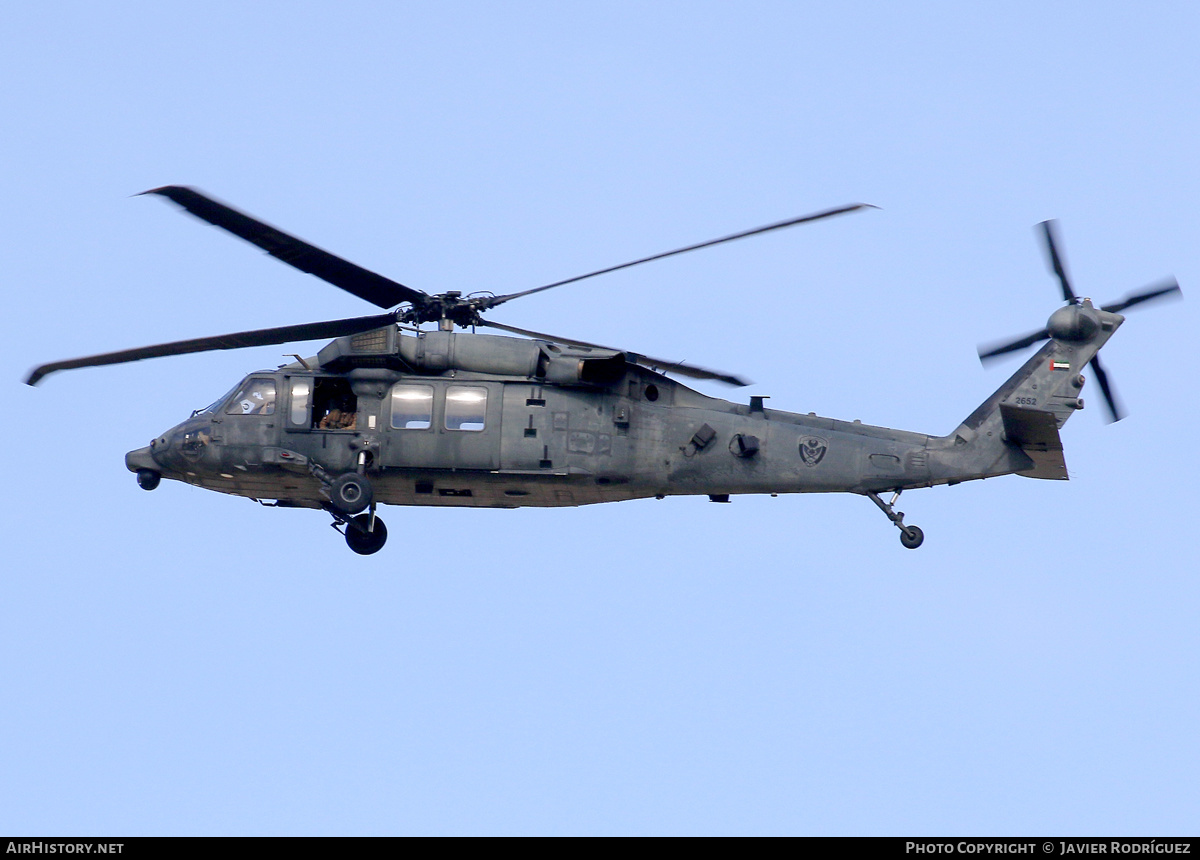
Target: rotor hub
[[1074, 322], [449, 306]]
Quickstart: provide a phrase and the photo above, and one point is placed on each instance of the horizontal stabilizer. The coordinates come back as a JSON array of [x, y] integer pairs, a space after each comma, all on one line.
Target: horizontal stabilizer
[[1036, 433]]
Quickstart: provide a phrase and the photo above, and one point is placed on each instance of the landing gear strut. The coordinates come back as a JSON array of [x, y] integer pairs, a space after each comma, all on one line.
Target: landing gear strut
[[911, 536], [365, 534]]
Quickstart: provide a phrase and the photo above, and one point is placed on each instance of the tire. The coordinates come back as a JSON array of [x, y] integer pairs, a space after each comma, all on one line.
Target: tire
[[362, 541], [350, 493], [912, 537], [148, 478]]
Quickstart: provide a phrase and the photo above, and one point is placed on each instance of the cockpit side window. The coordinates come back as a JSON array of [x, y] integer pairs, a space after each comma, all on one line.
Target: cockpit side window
[[256, 397]]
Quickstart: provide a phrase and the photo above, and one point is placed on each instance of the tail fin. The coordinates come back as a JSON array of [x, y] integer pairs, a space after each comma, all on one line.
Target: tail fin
[[1016, 429]]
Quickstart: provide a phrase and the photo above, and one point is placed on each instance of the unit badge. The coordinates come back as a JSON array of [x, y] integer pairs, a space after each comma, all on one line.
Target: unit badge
[[812, 449]]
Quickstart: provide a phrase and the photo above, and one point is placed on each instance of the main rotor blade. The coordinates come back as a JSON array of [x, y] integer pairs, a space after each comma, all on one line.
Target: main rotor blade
[[683, 369], [1012, 346], [817, 216], [352, 278], [1110, 398], [1169, 287], [1050, 230], [237, 340]]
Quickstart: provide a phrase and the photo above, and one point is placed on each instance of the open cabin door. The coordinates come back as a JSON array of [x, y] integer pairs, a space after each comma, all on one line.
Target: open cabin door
[[322, 419]]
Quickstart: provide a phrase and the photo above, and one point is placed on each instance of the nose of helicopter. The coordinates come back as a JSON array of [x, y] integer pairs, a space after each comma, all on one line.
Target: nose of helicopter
[[151, 457], [140, 459]]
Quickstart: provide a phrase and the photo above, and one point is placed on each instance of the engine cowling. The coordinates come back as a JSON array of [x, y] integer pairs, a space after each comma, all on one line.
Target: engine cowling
[[436, 352]]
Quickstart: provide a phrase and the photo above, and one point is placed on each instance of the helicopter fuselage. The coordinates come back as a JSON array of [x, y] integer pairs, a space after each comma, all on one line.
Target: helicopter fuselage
[[457, 436]]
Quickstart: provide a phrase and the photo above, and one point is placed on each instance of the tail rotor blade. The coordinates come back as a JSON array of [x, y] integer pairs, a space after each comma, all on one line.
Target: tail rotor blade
[[1050, 232], [1110, 398], [1012, 346], [1169, 287]]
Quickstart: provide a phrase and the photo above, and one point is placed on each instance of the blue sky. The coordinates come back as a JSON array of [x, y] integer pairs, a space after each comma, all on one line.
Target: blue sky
[[183, 662]]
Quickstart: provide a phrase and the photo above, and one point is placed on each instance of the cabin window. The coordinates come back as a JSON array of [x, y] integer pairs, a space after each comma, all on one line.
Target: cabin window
[[301, 389], [466, 407], [256, 397], [412, 407]]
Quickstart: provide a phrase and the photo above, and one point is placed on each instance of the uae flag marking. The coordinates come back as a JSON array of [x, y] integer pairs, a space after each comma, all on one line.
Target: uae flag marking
[[1059, 365]]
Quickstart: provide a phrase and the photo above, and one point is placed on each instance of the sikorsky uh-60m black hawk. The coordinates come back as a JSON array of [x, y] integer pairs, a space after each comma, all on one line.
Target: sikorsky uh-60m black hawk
[[393, 414]]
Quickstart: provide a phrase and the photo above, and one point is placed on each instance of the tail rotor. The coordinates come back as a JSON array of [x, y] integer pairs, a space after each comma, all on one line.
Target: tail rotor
[[1078, 319]]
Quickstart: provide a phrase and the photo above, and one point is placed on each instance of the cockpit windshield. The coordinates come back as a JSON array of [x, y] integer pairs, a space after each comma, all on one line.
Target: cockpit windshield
[[216, 404]]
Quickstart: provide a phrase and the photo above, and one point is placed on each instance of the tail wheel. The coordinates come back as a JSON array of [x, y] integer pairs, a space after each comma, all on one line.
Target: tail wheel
[[362, 541], [350, 493], [912, 537]]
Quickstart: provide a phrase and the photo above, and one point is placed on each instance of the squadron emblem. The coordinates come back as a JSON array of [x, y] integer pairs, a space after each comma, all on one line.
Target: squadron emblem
[[812, 450]]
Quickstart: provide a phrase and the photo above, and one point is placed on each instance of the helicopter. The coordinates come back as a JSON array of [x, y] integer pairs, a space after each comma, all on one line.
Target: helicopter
[[392, 413]]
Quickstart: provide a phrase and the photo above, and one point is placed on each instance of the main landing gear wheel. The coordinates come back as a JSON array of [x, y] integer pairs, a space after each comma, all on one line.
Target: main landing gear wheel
[[350, 493], [912, 537], [362, 541]]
